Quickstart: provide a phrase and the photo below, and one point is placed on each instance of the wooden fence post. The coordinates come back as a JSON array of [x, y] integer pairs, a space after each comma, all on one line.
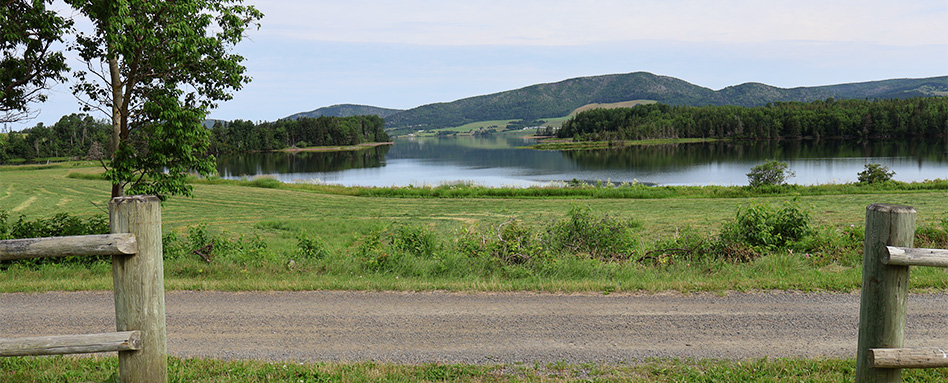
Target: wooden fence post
[[884, 288], [139, 288]]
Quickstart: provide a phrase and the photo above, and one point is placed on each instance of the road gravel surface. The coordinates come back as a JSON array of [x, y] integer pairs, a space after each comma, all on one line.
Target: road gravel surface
[[484, 328]]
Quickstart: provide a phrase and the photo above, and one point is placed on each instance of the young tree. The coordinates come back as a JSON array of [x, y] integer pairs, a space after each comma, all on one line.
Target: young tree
[[157, 67], [875, 173], [27, 61], [770, 173]]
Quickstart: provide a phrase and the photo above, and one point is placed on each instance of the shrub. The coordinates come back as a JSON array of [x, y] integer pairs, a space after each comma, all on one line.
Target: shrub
[[516, 244], [310, 247], [173, 246], [766, 227], [691, 245], [415, 240], [210, 247], [510, 243], [875, 173], [601, 237], [771, 173], [61, 224]]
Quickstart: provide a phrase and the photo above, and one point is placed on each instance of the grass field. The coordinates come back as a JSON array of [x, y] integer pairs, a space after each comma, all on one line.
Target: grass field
[[100, 369], [276, 216]]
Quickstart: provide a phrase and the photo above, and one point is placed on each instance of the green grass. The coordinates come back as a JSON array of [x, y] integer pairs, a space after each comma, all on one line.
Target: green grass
[[104, 369], [275, 214]]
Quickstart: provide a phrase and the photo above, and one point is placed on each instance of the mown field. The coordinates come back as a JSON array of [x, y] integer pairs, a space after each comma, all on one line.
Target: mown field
[[352, 241]]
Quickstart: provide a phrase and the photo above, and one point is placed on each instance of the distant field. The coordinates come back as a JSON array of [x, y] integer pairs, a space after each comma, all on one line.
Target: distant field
[[624, 104]]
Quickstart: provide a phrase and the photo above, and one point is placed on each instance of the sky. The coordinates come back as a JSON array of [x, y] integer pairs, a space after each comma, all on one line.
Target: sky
[[407, 53]]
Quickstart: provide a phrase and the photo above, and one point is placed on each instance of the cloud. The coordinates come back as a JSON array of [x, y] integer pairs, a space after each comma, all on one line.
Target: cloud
[[561, 23]]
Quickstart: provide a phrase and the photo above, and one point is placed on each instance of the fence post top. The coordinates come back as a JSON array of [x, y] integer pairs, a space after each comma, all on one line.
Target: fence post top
[[134, 199], [891, 208]]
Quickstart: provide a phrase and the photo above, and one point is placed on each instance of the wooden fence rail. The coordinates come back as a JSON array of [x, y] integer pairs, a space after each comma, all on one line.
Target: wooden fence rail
[[72, 344], [887, 255], [138, 282], [80, 245]]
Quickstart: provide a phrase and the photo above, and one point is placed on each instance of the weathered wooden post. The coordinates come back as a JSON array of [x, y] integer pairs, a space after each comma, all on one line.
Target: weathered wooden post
[[884, 288], [140, 288]]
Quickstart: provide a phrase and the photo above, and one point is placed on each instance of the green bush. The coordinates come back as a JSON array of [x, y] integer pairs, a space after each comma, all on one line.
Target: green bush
[[875, 173], [418, 241], [766, 227], [691, 245], [310, 247], [218, 248], [59, 225], [771, 173], [510, 243], [517, 243], [173, 246], [601, 237]]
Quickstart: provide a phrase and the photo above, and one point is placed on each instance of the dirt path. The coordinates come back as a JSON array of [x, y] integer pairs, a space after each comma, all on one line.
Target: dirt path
[[485, 328]]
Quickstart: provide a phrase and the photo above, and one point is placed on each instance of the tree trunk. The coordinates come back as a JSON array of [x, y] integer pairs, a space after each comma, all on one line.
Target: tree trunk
[[117, 188]]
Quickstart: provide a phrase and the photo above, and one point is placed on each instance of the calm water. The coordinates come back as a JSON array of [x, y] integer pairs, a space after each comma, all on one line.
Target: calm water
[[497, 161]]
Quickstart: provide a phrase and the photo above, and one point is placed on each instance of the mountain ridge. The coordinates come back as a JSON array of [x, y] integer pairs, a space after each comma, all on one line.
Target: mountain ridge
[[560, 98], [345, 110]]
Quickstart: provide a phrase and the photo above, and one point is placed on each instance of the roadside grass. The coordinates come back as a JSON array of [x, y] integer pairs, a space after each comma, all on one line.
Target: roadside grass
[[274, 236], [105, 369]]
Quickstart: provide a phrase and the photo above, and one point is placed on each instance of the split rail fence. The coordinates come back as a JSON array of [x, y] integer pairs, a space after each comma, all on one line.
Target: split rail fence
[[888, 253], [138, 280]]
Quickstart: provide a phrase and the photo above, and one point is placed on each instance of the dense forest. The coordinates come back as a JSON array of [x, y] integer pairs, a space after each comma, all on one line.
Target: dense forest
[[245, 136], [914, 117], [75, 136], [81, 136]]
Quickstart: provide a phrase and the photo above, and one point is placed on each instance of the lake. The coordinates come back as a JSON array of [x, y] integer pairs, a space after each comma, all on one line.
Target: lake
[[501, 161]]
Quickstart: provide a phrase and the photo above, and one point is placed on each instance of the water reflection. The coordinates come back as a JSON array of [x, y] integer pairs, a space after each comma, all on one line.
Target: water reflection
[[501, 161], [252, 164]]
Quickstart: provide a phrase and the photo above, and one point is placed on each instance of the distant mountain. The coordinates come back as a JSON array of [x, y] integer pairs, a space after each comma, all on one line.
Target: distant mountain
[[559, 99], [345, 110]]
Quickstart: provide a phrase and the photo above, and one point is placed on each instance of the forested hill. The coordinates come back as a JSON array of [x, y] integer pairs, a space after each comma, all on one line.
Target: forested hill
[[345, 110], [559, 99]]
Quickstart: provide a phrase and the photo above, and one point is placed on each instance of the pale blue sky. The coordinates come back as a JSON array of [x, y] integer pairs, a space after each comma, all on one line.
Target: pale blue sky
[[406, 53]]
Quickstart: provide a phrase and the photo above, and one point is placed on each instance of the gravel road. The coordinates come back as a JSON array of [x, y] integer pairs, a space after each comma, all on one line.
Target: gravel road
[[484, 327]]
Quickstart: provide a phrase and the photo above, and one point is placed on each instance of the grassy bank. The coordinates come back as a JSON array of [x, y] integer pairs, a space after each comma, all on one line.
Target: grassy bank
[[271, 236], [100, 369]]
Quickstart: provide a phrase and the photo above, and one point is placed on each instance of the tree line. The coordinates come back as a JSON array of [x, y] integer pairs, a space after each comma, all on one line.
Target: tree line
[[246, 136], [830, 118], [73, 136], [81, 136]]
